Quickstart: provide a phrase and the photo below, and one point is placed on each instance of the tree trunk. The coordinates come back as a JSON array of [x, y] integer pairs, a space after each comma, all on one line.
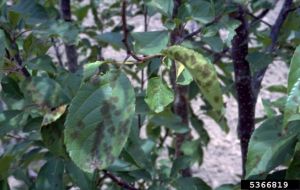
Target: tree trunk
[[243, 84]]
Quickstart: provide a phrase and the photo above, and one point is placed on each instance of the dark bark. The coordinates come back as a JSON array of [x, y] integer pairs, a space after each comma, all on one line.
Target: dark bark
[[72, 56], [245, 98], [180, 106]]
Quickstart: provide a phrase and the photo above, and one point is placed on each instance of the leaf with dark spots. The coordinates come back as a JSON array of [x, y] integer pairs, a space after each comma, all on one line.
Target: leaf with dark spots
[[105, 113], [203, 72]]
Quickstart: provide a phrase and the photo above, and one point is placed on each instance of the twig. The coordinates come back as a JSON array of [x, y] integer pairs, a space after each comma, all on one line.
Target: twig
[[119, 182], [129, 52], [56, 49], [259, 17], [17, 56], [190, 35], [293, 9], [274, 36]]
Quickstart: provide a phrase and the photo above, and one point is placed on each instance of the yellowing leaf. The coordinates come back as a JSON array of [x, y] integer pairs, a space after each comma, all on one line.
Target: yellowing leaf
[[202, 71]]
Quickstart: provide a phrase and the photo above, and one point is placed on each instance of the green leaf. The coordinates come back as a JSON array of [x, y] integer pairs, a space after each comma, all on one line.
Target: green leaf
[[277, 88], [294, 71], [53, 138], [293, 171], [4, 185], [292, 106], [203, 72], [99, 120], [215, 43], [193, 149], [50, 176], [180, 163], [202, 11], [171, 121], [158, 95], [150, 42], [80, 178], [185, 78], [112, 38], [229, 187], [11, 119], [91, 69], [66, 30], [42, 63], [268, 147], [165, 7], [198, 125], [32, 12], [2, 48], [193, 183], [139, 156], [44, 91], [258, 61], [5, 162]]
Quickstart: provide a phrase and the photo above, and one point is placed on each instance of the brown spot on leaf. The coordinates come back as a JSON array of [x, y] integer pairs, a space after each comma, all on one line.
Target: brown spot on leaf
[[115, 99], [117, 112], [217, 99], [80, 124], [98, 138]]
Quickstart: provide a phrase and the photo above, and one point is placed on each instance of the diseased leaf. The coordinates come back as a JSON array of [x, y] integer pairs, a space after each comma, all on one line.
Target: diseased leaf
[[99, 120], [202, 71], [54, 115], [158, 95], [294, 71], [44, 91]]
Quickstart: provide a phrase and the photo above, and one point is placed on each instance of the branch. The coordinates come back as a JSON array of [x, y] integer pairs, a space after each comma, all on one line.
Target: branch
[[129, 52], [274, 36], [56, 49], [259, 17], [119, 182], [126, 32]]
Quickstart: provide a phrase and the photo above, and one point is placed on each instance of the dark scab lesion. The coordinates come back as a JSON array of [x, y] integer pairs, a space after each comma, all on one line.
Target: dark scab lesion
[[111, 129], [117, 112], [193, 60], [80, 124], [98, 138], [75, 134], [115, 99], [208, 83], [205, 71], [217, 99]]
